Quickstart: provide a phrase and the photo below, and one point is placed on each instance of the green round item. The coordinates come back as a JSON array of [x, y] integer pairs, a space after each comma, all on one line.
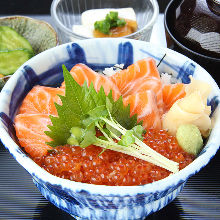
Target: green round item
[[11, 40], [189, 138], [72, 141], [11, 60], [40, 34]]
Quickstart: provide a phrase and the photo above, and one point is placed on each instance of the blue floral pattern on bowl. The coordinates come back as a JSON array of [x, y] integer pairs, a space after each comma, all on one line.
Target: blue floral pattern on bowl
[[90, 201]]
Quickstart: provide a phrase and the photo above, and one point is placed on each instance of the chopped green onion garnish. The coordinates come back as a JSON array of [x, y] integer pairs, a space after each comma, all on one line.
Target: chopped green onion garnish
[[111, 20]]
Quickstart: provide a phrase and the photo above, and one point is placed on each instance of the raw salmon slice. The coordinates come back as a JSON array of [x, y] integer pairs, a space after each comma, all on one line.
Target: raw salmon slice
[[146, 83], [82, 73], [144, 105], [30, 133], [139, 77], [142, 68], [41, 100], [171, 93]]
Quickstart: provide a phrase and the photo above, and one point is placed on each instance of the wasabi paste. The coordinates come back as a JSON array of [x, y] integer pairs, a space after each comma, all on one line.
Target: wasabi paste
[[189, 138]]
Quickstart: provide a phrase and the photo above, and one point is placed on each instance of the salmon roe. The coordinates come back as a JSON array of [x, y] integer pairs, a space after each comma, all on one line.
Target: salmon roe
[[113, 168]]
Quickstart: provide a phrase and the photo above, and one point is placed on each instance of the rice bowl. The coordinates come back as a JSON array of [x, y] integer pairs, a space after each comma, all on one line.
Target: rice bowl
[[88, 200]]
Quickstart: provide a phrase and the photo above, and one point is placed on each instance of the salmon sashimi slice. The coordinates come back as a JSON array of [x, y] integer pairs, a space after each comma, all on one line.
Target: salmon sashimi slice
[[30, 133], [142, 68], [146, 83], [144, 105], [171, 93], [41, 100], [139, 77], [82, 73]]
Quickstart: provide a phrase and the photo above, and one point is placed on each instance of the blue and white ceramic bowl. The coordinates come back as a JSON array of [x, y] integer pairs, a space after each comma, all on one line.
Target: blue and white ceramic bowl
[[89, 201]]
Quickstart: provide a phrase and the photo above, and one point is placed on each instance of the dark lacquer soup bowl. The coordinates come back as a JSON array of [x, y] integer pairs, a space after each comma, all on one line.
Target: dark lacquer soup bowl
[[89, 201], [210, 62]]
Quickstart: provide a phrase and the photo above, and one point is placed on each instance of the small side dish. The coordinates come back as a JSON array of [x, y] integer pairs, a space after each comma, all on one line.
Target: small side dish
[[117, 130], [20, 39], [107, 23]]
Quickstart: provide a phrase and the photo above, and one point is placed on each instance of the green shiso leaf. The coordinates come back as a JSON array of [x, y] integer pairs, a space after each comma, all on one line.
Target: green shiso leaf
[[82, 107], [122, 114]]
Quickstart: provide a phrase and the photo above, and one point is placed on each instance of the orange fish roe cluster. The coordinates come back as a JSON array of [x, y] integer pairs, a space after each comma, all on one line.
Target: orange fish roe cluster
[[113, 168]]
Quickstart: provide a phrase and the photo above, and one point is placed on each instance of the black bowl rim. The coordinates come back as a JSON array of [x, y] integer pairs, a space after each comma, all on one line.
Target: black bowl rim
[[177, 42]]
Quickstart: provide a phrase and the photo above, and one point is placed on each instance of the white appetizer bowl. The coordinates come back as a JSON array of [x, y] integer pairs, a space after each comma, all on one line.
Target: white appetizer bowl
[[67, 13]]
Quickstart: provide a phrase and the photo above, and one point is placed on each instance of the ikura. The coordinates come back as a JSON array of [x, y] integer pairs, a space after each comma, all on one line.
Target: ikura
[[113, 168]]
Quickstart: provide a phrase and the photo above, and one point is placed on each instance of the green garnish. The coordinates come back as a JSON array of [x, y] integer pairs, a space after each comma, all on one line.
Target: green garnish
[[12, 40], [11, 60], [127, 139], [189, 138], [84, 111], [111, 20]]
